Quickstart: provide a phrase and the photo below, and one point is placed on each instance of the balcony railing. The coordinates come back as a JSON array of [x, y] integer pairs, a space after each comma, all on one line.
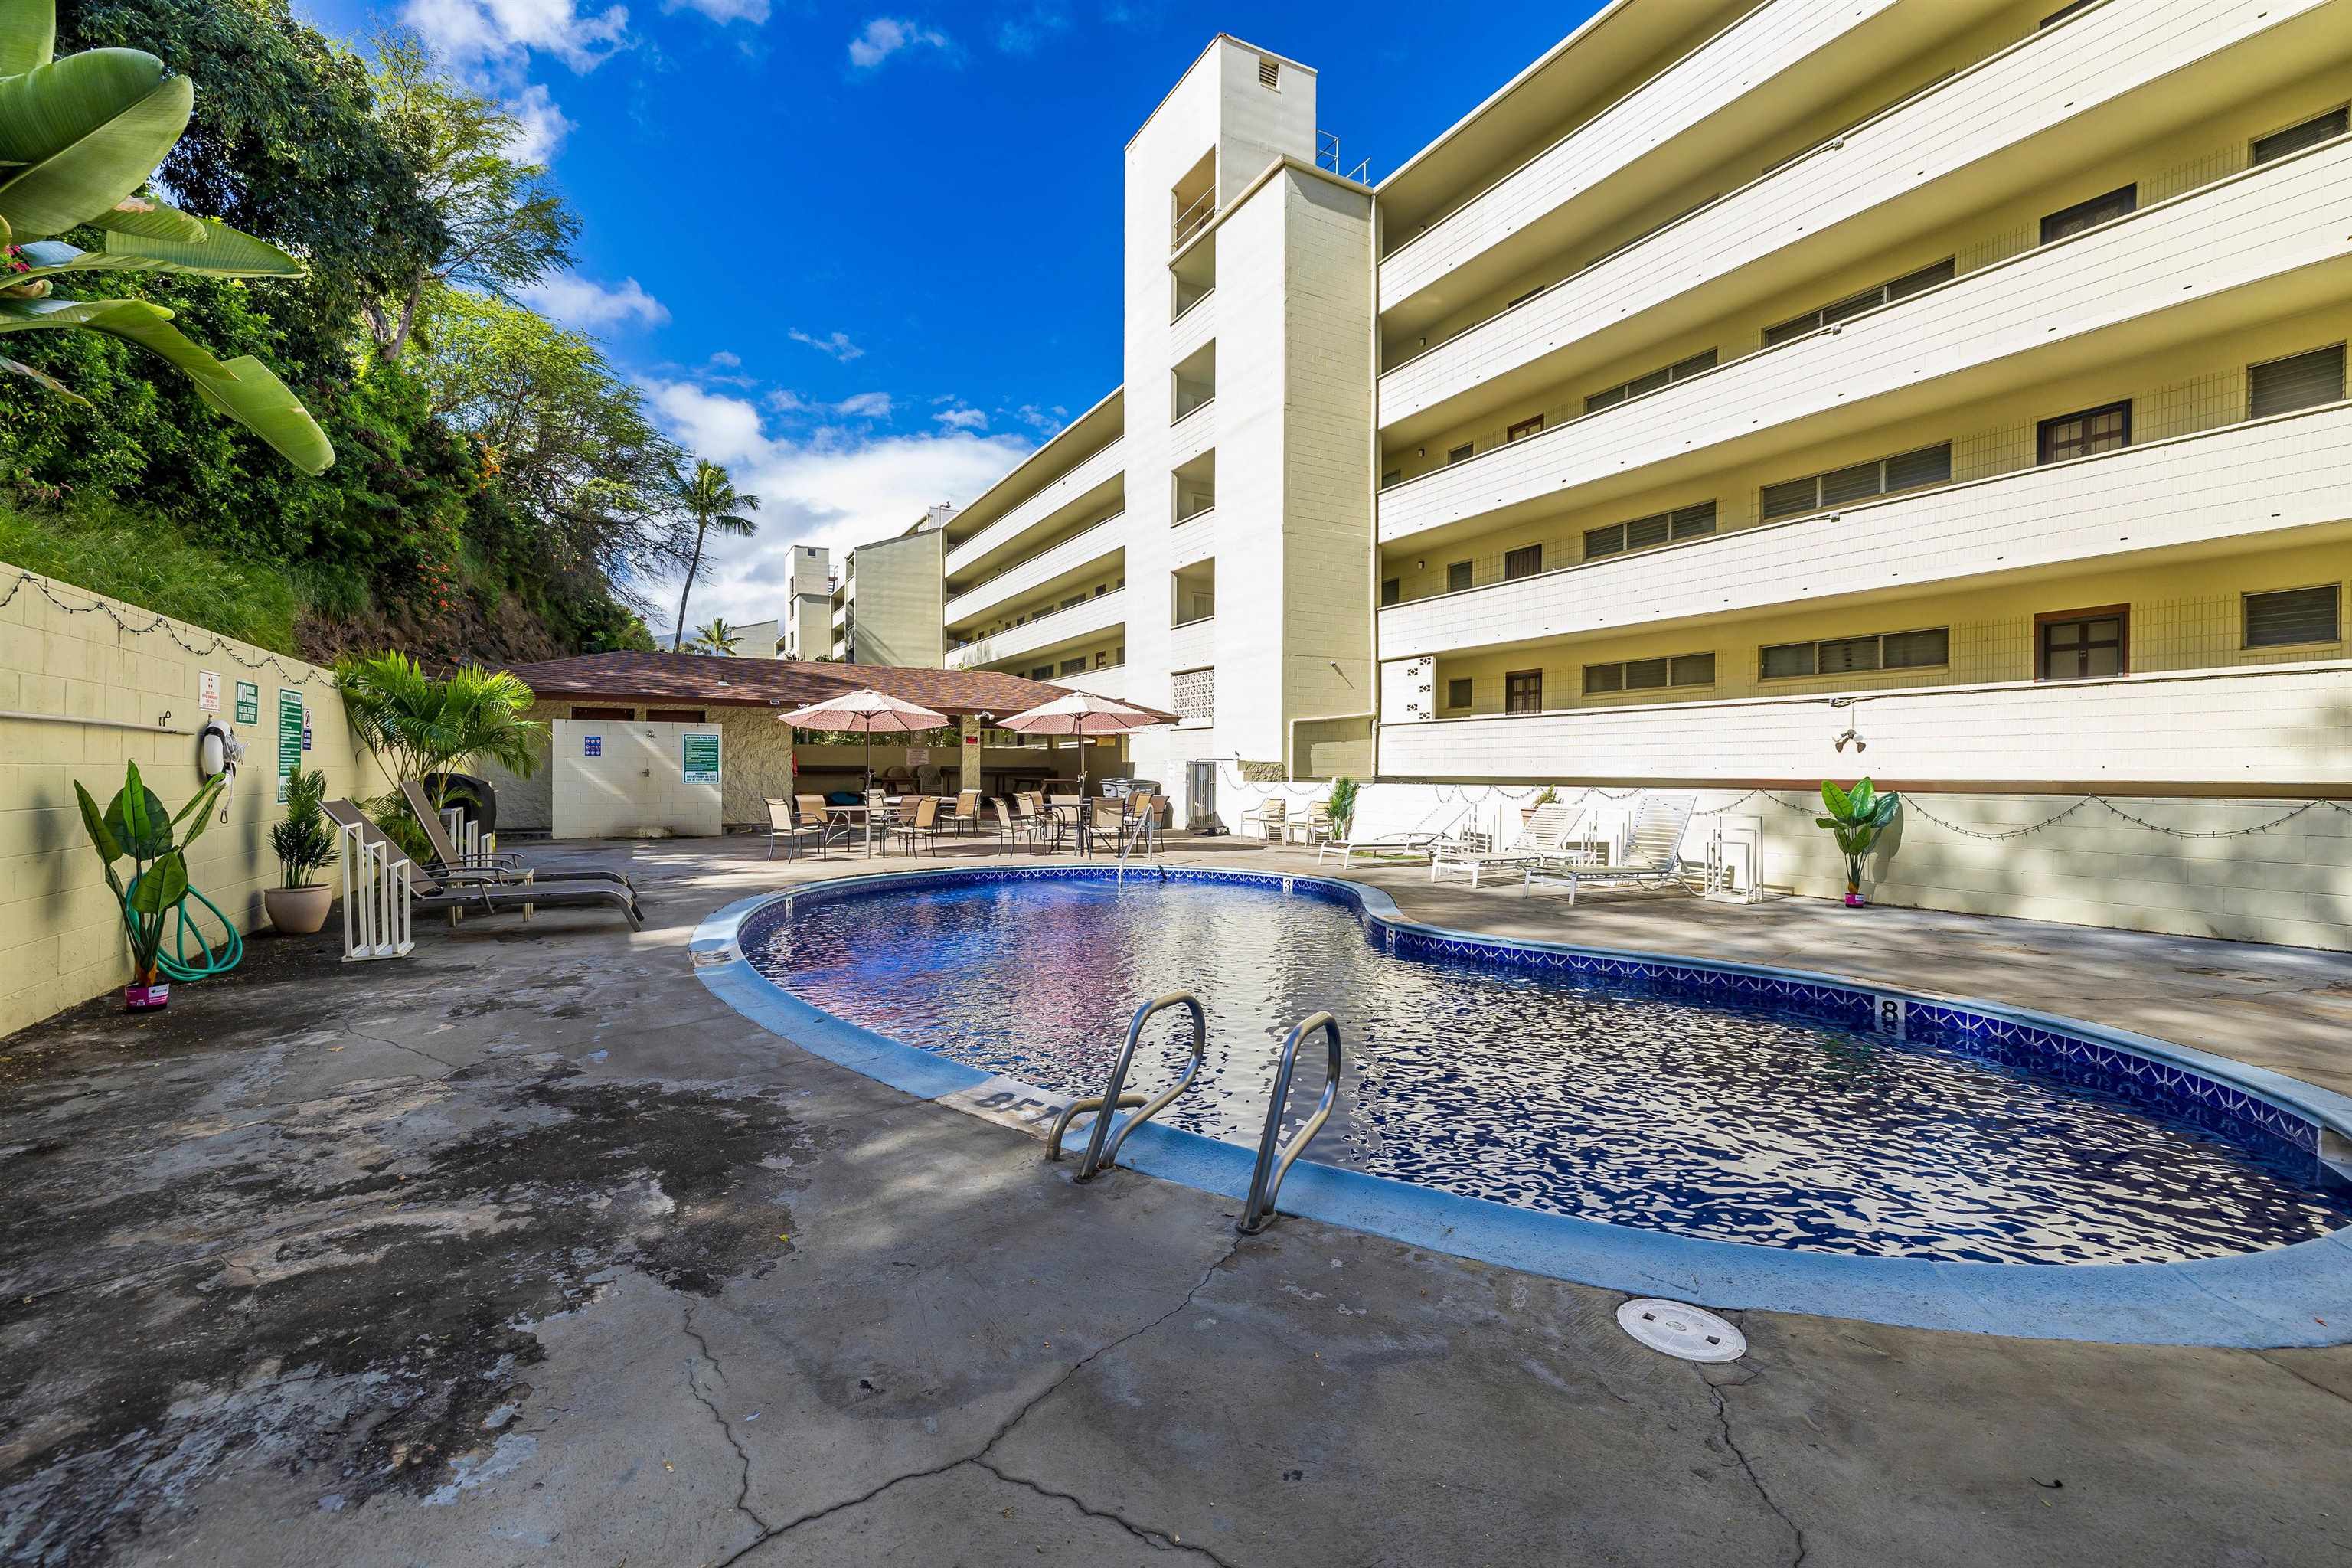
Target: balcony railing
[[1194, 217]]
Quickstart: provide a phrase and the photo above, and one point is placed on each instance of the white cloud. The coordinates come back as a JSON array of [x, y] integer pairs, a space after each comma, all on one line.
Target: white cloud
[[540, 125], [722, 11], [865, 405], [1025, 34], [497, 37], [962, 418], [833, 488], [577, 302], [728, 359], [1046, 419], [885, 36], [838, 345]]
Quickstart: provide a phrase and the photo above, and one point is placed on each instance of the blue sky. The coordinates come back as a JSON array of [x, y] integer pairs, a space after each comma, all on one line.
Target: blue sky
[[866, 254]]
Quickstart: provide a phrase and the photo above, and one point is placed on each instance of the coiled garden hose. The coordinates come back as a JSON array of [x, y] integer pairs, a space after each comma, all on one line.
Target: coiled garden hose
[[177, 964]]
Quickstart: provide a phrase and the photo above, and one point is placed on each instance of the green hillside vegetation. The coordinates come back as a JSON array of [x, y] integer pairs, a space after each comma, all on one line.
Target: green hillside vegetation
[[499, 490]]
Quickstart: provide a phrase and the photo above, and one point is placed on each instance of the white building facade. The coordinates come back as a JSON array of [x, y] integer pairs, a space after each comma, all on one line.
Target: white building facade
[[1747, 394]]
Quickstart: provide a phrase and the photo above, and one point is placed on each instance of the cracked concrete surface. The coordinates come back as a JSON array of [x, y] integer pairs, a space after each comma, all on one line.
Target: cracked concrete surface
[[528, 1250]]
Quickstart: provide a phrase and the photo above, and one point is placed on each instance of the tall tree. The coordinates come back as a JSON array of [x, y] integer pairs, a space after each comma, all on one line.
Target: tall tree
[[502, 226], [710, 497], [721, 636]]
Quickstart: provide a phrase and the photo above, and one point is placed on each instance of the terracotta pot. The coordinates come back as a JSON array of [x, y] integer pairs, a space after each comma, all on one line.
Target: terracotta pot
[[298, 911], [139, 998]]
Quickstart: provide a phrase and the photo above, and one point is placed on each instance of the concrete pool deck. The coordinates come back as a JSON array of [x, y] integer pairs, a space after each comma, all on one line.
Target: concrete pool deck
[[527, 1249]]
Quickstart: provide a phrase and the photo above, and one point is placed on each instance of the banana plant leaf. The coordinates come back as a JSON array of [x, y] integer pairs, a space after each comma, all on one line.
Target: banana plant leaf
[[219, 251], [164, 883], [197, 814], [19, 367], [90, 128], [93, 821], [28, 36], [155, 222], [243, 388], [137, 819]]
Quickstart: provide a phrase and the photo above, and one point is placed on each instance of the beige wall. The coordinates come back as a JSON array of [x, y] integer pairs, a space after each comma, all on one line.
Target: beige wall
[[901, 599], [97, 690]]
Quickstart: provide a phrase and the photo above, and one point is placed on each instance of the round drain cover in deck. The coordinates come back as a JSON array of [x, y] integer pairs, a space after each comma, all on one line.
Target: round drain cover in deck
[[1677, 1328]]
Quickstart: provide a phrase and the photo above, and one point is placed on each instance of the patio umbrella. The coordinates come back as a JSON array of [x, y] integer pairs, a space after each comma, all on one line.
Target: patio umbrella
[[864, 711], [1079, 713]]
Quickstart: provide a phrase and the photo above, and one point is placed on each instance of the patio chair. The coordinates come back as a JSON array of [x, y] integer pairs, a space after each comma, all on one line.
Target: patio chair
[[1272, 816], [918, 828], [1543, 838], [506, 867], [813, 809], [1654, 860], [432, 888], [788, 823], [1024, 829], [966, 815], [1443, 828], [1312, 829]]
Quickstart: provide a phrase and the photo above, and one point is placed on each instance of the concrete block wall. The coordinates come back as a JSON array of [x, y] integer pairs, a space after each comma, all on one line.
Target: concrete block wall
[[81, 695]]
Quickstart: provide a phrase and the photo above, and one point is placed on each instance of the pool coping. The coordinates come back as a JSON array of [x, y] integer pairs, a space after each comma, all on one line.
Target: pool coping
[[2279, 1297]]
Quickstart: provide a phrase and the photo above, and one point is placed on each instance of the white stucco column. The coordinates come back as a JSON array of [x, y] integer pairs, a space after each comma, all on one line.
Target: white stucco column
[[968, 746]]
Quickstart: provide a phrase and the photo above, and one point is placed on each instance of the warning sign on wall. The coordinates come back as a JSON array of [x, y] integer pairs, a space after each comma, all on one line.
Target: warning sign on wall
[[208, 690], [701, 758]]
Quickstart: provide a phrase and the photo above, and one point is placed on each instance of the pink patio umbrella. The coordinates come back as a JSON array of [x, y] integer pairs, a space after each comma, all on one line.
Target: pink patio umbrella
[[864, 711], [1079, 713]]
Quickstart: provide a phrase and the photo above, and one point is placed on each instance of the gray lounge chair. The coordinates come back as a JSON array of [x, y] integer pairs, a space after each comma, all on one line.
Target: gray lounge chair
[[506, 867], [480, 891], [1655, 860]]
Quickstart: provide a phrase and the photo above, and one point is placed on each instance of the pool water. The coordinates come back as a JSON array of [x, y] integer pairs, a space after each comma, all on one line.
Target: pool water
[[1548, 1093]]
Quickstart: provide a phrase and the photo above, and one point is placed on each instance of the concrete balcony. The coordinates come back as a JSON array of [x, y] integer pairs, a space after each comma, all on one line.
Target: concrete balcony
[[1758, 75], [1046, 634], [1075, 561], [2258, 245], [2279, 728], [2203, 494], [1194, 644], [1109, 681], [1192, 541], [2091, 81], [1096, 483]]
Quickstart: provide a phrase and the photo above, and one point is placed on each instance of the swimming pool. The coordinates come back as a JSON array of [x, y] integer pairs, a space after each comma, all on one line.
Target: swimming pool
[[1780, 1112]]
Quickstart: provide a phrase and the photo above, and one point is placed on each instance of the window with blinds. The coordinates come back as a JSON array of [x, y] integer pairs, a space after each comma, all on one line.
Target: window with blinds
[[1649, 674], [2298, 381], [1193, 693], [1524, 561], [1841, 486], [1856, 655], [1457, 576], [1852, 305], [1648, 532], [1656, 381], [1523, 691], [2091, 214], [2295, 615], [2295, 137], [1457, 692]]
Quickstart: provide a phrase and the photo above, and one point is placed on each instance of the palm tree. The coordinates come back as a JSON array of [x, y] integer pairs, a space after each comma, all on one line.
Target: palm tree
[[710, 499], [718, 637], [420, 728]]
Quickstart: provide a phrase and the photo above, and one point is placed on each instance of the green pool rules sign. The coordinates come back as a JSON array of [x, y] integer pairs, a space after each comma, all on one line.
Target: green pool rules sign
[[289, 738], [249, 702], [701, 759]]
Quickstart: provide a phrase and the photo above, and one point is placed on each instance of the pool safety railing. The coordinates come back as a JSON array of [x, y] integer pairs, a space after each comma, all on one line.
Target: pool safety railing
[[375, 898], [1265, 1180], [1102, 1143]]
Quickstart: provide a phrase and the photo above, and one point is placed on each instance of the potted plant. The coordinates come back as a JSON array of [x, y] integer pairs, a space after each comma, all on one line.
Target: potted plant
[[136, 826], [298, 905], [1342, 805], [1856, 818], [1549, 795]]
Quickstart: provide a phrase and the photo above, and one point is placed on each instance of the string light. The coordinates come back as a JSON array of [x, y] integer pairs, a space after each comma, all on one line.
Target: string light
[[219, 644]]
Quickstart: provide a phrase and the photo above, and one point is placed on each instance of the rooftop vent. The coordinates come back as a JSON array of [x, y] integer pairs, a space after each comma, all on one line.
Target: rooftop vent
[[1269, 72]]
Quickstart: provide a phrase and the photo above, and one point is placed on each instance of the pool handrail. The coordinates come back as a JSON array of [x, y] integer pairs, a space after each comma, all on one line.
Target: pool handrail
[[1265, 1178], [1102, 1146]]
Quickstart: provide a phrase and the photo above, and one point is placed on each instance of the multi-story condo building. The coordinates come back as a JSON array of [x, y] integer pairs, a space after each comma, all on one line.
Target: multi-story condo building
[[807, 631], [888, 606], [1747, 393]]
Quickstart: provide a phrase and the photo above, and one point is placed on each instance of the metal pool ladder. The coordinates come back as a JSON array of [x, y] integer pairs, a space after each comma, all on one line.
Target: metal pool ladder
[[1102, 1144], [1265, 1180]]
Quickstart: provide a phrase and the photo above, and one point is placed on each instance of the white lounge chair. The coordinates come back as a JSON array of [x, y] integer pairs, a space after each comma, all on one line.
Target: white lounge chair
[[482, 890], [1654, 860], [1544, 836], [1444, 827]]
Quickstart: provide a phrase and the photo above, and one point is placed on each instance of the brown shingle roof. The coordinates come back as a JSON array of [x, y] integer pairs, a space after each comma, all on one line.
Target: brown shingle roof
[[712, 680]]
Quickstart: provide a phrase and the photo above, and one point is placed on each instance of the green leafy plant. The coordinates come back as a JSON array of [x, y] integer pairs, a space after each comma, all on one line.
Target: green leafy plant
[[425, 727], [1855, 817], [710, 499], [1342, 805], [1550, 796], [721, 636], [78, 139], [135, 826], [302, 842]]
